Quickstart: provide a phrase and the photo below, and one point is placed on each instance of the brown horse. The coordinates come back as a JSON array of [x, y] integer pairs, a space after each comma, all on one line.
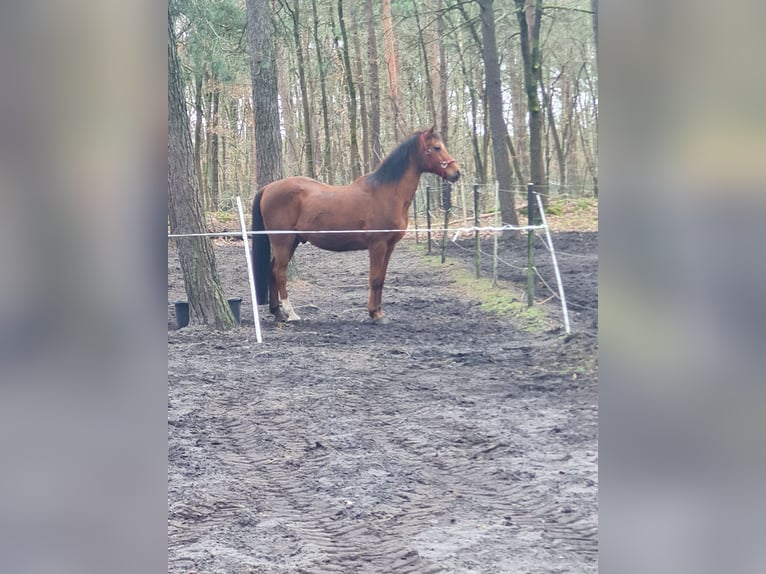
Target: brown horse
[[377, 201]]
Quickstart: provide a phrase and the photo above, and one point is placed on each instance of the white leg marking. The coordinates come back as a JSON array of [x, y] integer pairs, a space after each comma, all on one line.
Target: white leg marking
[[288, 310]]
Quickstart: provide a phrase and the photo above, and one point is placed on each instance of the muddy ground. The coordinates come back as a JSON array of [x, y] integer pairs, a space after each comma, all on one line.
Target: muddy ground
[[447, 441]]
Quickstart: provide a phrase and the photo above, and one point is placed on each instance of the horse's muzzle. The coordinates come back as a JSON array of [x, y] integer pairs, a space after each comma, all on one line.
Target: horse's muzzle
[[442, 172], [452, 177]]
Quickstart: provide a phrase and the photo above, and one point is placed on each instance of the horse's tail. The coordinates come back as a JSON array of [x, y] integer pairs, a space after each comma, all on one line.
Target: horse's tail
[[261, 253]]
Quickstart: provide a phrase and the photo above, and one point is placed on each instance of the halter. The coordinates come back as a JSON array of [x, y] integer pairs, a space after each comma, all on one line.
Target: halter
[[442, 172]]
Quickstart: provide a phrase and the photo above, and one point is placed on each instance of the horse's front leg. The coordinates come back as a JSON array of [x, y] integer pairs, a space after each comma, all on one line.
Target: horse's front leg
[[377, 275], [378, 266]]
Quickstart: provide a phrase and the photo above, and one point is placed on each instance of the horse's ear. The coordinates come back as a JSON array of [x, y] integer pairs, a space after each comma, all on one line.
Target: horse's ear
[[430, 131]]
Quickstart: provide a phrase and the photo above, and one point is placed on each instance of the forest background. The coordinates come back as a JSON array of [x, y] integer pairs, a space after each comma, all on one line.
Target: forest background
[[511, 85]]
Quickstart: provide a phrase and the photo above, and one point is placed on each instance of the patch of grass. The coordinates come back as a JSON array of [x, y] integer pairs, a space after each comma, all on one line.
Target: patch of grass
[[555, 208], [503, 301], [573, 214], [224, 215], [223, 221], [564, 205], [568, 213]]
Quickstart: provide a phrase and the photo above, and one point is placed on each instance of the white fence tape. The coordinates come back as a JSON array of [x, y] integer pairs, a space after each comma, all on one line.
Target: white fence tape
[[457, 232]]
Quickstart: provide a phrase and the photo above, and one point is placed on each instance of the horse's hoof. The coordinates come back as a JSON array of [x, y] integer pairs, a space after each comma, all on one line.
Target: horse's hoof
[[383, 320], [292, 318], [280, 317]]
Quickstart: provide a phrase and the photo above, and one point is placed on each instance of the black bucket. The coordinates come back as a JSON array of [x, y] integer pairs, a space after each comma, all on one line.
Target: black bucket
[[234, 305], [182, 311]]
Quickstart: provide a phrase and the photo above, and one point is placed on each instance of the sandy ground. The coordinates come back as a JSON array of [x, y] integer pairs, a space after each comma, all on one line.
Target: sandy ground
[[449, 440]]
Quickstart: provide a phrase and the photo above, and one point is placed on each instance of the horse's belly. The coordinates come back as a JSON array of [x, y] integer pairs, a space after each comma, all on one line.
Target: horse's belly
[[337, 241]]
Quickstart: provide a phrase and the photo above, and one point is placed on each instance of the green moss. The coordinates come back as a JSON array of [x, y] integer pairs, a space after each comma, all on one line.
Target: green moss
[[564, 205], [586, 203], [225, 215], [505, 301], [555, 208]]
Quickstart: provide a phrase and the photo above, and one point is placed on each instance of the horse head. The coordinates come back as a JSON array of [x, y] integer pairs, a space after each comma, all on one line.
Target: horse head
[[436, 159]]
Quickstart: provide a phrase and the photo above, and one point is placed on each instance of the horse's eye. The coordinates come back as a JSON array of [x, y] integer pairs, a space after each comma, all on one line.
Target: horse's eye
[[437, 148]]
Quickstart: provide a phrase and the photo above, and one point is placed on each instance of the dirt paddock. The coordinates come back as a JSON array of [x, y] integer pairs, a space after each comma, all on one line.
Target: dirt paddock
[[449, 440]]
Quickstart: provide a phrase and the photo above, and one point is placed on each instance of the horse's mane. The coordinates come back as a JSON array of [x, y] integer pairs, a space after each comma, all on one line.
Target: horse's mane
[[395, 164]]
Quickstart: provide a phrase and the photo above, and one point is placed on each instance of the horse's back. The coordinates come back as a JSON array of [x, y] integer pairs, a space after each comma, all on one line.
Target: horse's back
[[283, 199], [294, 186], [305, 193]]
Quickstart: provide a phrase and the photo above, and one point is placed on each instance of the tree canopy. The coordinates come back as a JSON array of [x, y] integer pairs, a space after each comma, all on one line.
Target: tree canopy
[[367, 81]]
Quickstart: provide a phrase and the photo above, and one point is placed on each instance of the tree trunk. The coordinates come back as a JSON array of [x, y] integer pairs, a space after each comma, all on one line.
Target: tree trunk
[[519, 111], [530, 53], [566, 120], [594, 20], [443, 104], [203, 288], [485, 139], [328, 167], [426, 70], [569, 136], [232, 115], [207, 200], [215, 192], [389, 49], [248, 144], [223, 162], [514, 160], [355, 168], [268, 142], [372, 61], [362, 93], [306, 108], [589, 160], [480, 167], [594, 8], [496, 119], [198, 133], [547, 100], [590, 112], [291, 148]]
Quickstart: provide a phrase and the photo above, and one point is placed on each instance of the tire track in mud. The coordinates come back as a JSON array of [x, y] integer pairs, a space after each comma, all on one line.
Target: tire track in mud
[[458, 475], [439, 466], [275, 460], [424, 447]]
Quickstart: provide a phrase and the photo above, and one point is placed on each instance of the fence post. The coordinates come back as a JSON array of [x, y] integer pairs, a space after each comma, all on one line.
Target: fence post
[[476, 237], [250, 273], [447, 203], [428, 217], [555, 264], [415, 214], [530, 247]]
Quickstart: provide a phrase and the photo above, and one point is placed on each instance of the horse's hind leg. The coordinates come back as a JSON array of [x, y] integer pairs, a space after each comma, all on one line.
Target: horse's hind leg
[[279, 304], [273, 291]]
